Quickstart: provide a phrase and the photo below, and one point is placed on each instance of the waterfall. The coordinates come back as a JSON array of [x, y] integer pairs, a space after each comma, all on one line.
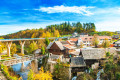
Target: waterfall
[[99, 73]]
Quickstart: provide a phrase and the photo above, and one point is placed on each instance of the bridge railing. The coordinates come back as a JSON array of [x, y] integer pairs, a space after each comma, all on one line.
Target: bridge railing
[[15, 60]]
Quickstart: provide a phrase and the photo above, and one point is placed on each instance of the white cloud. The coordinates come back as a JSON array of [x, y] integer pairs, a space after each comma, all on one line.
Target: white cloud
[[73, 9], [112, 10], [108, 25]]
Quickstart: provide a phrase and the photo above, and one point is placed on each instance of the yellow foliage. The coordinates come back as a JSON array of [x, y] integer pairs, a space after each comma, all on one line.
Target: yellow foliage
[[40, 76], [33, 35], [65, 64], [2, 46], [56, 33], [20, 54], [13, 49]]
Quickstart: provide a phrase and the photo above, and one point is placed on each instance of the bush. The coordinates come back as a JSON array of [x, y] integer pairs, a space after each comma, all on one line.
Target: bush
[[6, 72], [117, 76], [107, 54]]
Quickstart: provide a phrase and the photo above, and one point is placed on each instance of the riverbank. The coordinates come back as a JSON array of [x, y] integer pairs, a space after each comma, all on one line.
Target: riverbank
[[2, 77]]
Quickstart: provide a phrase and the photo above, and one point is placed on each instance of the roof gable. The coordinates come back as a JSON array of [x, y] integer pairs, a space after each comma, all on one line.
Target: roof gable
[[55, 45]]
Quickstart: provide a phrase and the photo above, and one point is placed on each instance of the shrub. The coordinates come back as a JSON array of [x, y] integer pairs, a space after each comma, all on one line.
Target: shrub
[[107, 54], [6, 72], [117, 76]]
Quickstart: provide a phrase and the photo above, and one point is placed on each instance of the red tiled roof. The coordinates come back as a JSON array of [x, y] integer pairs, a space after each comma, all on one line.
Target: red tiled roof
[[69, 46], [74, 39], [103, 37]]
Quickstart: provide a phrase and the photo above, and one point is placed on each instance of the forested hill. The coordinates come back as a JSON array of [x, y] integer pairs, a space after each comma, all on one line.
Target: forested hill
[[54, 30]]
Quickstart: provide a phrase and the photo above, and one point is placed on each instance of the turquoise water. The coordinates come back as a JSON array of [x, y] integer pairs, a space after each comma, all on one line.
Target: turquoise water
[[17, 69]]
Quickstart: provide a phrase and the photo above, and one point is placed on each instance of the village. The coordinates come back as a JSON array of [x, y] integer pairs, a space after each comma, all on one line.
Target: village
[[80, 52], [77, 54]]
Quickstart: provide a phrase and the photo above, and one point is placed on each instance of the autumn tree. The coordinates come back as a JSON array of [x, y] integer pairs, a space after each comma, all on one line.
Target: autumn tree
[[30, 75], [56, 33], [81, 44], [2, 45], [41, 43], [61, 71], [33, 46], [95, 40], [106, 43], [42, 75], [13, 49]]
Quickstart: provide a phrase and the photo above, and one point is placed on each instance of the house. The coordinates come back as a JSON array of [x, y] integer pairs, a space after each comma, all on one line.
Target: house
[[53, 57], [83, 34], [73, 41], [56, 47], [75, 34], [117, 44], [93, 56], [88, 40], [115, 37], [102, 38], [118, 32], [77, 64], [61, 47]]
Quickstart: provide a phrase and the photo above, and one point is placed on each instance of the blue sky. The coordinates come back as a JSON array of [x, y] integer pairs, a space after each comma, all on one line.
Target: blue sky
[[18, 15]]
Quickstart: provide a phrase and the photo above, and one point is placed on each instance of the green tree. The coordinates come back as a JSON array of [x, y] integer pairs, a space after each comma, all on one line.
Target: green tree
[[118, 76], [47, 41], [106, 43], [61, 71], [43, 50]]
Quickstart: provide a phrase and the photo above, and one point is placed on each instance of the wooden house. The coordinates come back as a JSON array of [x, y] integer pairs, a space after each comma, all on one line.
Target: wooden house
[[77, 64], [92, 57], [56, 47]]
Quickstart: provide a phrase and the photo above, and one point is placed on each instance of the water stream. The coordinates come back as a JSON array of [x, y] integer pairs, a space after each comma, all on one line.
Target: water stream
[[99, 73], [17, 69]]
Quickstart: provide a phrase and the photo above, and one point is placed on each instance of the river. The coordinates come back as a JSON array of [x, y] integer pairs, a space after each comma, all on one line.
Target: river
[[17, 69]]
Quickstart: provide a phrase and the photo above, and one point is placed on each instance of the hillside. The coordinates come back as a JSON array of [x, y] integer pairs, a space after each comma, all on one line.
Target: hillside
[[54, 30]]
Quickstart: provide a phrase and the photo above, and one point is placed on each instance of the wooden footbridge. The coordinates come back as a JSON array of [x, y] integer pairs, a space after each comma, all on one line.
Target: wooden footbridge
[[15, 60]]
